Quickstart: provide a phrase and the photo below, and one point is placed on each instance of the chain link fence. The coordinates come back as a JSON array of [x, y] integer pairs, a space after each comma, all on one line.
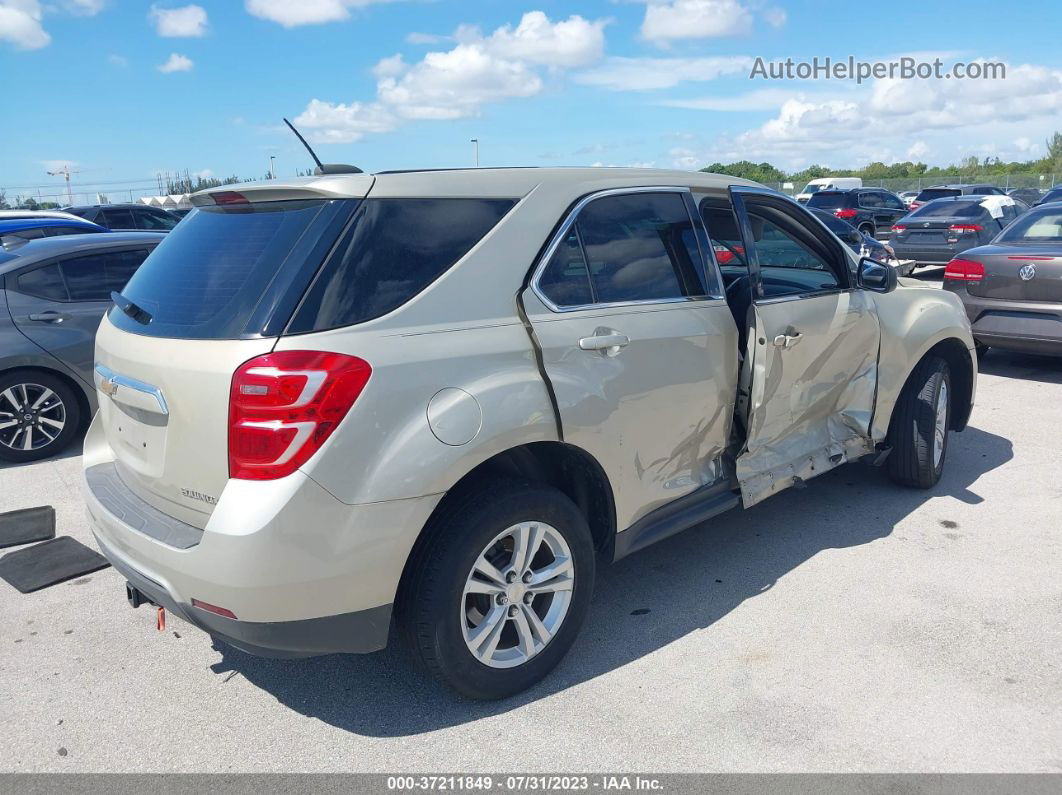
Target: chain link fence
[[900, 184]]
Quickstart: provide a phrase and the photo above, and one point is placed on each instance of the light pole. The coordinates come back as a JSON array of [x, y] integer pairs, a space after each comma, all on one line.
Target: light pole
[[272, 168], [475, 143]]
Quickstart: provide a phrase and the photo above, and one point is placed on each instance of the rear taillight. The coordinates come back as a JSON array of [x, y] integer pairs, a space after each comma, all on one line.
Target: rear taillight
[[284, 405], [845, 213], [964, 270], [914, 205], [899, 228], [725, 256], [966, 228]]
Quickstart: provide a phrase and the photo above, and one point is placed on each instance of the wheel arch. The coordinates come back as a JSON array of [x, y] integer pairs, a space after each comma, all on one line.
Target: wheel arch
[[960, 362], [564, 466]]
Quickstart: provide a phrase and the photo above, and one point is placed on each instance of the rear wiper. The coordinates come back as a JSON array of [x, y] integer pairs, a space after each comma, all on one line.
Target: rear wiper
[[138, 314]]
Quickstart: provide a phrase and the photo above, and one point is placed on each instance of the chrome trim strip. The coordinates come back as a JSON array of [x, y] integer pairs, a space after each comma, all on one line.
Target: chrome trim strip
[[562, 232], [102, 374]]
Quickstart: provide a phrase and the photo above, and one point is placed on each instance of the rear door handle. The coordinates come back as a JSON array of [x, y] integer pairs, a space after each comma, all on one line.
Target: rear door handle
[[50, 316], [787, 340], [610, 343]]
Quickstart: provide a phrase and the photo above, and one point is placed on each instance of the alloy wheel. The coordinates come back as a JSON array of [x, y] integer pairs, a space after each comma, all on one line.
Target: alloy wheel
[[517, 594], [31, 417]]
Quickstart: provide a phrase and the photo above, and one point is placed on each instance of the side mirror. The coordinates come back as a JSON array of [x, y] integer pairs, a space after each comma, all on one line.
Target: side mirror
[[876, 276]]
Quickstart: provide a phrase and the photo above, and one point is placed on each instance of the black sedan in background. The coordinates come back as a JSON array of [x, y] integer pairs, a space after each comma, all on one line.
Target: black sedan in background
[[943, 228], [1053, 195], [1012, 288], [127, 217], [53, 293]]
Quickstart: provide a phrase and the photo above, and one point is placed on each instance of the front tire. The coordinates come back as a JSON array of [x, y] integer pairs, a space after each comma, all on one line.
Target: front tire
[[498, 591], [39, 415], [918, 431]]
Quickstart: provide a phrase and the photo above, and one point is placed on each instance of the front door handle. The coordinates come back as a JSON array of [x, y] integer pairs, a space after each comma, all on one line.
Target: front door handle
[[609, 343], [787, 340], [50, 316]]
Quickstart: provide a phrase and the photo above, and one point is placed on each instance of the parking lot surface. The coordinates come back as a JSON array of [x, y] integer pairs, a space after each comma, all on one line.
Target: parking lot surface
[[848, 626]]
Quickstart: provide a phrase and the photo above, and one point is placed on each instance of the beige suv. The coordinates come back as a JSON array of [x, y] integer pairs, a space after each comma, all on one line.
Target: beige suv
[[440, 399]]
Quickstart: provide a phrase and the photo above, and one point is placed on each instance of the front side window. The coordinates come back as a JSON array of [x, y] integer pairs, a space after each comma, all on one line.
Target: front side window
[[155, 222], [790, 264], [636, 248], [118, 218]]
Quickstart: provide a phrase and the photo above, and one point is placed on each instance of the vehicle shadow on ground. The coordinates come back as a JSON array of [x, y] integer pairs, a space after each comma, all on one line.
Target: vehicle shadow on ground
[[686, 584], [1026, 366], [73, 451]]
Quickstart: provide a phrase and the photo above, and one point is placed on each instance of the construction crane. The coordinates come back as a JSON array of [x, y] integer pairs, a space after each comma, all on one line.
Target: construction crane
[[65, 172]]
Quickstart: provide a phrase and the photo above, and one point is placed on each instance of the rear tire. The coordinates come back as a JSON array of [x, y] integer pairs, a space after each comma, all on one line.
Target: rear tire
[[918, 431], [39, 415], [475, 631], [867, 230]]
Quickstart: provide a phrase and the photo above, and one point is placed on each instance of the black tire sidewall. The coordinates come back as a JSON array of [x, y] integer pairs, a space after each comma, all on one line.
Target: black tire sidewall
[[436, 604], [70, 403], [914, 421]]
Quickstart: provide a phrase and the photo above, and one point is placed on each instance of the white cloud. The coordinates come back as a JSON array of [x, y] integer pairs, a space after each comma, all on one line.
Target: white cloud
[[327, 122], [880, 121], [425, 38], [646, 74], [292, 13], [694, 19], [763, 99], [775, 17], [183, 22], [206, 173], [117, 60], [20, 24], [917, 150], [574, 41], [176, 63], [456, 83], [84, 8]]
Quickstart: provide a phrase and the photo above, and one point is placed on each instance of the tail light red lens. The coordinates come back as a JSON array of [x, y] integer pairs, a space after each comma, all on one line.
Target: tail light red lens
[[966, 228], [284, 405], [845, 213], [899, 228], [964, 270], [725, 256]]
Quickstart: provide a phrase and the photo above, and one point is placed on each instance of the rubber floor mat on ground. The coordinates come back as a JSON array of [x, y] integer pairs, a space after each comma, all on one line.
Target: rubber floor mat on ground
[[27, 525], [52, 562]]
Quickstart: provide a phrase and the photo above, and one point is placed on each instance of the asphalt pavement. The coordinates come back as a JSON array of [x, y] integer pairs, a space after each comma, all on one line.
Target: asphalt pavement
[[848, 626]]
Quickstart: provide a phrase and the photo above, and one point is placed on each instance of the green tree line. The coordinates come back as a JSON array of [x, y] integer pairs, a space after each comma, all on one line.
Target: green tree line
[[1050, 163]]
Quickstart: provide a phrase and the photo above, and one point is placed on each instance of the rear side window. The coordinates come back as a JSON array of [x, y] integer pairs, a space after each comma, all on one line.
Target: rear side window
[[155, 222], [118, 218], [828, 201], [46, 282], [870, 199], [95, 276], [565, 280], [392, 251], [233, 270]]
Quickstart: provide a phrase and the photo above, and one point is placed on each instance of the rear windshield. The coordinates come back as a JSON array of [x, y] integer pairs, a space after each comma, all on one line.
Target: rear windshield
[[1038, 226], [829, 200], [393, 250], [232, 271], [937, 193], [971, 209]]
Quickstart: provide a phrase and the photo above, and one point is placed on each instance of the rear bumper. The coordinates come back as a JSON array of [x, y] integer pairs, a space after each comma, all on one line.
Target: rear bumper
[[304, 573], [359, 632], [1025, 326], [925, 255]]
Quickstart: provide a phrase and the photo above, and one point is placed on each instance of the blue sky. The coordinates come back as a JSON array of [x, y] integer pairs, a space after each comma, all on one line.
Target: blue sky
[[125, 88]]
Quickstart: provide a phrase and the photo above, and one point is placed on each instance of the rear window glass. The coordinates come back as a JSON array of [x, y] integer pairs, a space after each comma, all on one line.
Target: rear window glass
[[970, 209], [230, 271], [393, 250], [1035, 227], [937, 193], [829, 201]]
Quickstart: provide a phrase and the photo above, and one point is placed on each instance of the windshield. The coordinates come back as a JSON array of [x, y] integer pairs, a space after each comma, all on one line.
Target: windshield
[[971, 209], [232, 271], [811, 187], [1037, 227]]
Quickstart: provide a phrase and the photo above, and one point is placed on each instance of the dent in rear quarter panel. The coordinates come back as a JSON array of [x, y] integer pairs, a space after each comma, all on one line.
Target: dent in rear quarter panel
[[913, 319], [385, 449]]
